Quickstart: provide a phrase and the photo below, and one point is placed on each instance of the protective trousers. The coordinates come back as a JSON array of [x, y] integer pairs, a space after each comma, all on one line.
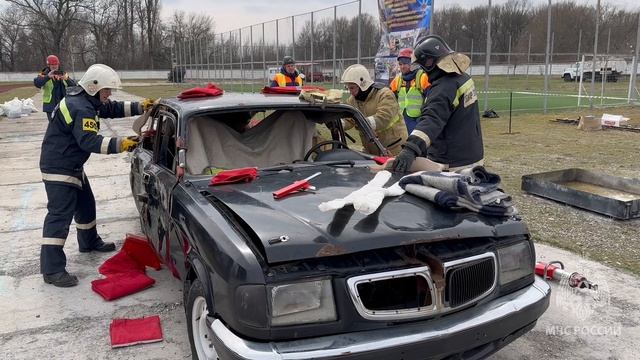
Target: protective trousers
[[66, 202]]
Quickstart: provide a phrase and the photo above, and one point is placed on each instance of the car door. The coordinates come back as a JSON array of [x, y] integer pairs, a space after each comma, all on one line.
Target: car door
[[140, 160], [160, 179]]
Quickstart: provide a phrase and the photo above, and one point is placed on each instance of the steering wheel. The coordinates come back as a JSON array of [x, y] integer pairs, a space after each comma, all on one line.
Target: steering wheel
[[315, 148]]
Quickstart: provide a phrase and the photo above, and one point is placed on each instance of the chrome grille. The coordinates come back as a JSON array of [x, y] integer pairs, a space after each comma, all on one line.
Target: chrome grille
[[469, 279], [412, 293], [399, 294]]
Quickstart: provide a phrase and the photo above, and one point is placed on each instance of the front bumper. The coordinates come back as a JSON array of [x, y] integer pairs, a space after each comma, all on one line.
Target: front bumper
[[472, 333]]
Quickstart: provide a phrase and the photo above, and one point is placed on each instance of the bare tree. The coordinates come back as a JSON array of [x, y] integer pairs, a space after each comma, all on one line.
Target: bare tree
[[55, 16], [12, 26], [149, 14], [103, 21]]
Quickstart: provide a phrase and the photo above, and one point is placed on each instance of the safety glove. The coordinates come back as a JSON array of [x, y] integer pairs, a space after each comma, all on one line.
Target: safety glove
[[147, 104], [413, 147], [129, 143]]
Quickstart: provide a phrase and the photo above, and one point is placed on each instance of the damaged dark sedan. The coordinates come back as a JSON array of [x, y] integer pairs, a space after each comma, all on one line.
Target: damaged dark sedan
[[268, 278]]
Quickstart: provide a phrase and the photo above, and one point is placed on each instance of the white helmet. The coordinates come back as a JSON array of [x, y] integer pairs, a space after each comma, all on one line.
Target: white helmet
[[99, 76], [358, 75]]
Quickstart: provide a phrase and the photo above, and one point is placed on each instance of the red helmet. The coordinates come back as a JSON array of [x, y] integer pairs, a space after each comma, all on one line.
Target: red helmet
[[53, 60], [405, 53]]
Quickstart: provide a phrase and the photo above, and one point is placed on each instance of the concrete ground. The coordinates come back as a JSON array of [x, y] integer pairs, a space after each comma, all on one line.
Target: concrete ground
[[39, 321]]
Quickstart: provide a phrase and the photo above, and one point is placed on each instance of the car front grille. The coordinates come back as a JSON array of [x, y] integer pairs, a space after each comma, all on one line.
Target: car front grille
[[469, 281], [411, 293], [399, 294]]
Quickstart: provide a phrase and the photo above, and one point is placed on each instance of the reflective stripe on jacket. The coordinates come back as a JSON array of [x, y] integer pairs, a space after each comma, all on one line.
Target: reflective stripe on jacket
[[451, 120], [285, 80], [411, 100], [52, 90], [72, 135], [381, 107]]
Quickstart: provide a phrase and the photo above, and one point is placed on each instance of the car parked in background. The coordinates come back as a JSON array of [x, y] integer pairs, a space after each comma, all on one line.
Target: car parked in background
[[268, 278]]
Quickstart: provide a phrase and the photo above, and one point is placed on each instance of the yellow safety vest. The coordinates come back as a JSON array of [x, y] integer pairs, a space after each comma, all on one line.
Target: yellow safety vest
[[410, 100], [47, 92]]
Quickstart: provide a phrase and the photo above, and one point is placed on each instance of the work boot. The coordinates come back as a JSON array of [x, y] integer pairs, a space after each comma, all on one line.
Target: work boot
[[61, 279], [100, 246]]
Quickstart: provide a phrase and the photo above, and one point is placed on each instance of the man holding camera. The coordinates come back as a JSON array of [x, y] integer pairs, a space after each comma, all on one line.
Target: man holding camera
[[54, 83]]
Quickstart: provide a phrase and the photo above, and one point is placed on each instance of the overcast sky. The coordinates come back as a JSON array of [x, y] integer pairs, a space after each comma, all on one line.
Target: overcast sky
[[232, 14]]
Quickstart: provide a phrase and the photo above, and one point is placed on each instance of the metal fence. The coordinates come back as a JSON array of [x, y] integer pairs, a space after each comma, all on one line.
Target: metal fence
[[326, 41]]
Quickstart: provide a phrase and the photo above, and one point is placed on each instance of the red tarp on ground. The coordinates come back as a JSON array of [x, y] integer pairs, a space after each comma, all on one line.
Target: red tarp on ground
[[126, 332]]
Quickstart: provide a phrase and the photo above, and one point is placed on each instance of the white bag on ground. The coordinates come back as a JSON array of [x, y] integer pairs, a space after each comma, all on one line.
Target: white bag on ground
[[28, 106], [13, 108]]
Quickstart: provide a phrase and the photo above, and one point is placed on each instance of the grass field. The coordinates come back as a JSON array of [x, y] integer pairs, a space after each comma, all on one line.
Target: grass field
[[21, 90], [527, 96]]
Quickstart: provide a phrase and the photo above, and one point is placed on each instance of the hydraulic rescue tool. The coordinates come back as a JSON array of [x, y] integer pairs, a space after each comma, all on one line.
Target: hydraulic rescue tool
[[300, 185], [551, 271]]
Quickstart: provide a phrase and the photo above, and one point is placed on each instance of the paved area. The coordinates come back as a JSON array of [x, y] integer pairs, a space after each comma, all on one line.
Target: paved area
[[39, 321]]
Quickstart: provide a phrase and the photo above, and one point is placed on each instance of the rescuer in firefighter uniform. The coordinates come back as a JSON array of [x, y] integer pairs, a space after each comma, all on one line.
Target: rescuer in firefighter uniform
[[71, 137], [379, 106], [448, 131]]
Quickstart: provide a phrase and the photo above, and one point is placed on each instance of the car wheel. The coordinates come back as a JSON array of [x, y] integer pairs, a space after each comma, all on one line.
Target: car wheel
[[200, 334], [567, 77]]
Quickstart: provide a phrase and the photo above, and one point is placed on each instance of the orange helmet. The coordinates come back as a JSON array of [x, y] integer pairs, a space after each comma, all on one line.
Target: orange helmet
[[53, 60], [405, 53]]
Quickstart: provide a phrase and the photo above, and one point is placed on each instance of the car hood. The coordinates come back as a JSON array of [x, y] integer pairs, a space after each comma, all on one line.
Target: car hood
[[310, 233]]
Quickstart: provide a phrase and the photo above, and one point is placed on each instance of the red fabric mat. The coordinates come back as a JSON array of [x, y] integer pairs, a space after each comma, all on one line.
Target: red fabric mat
[[120, 263], [118, 285], [126, 332], [210, 90], [140, 250], [234, 176]]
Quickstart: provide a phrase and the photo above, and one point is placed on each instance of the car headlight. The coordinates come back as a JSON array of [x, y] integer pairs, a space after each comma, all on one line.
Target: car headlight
[[303, 302], [516, 262]]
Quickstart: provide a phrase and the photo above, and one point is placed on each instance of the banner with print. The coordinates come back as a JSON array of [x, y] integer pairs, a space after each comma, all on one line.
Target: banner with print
[[402, 23]]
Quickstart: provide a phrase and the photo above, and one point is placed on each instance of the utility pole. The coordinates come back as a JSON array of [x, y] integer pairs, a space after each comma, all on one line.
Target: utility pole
[[595, 55], [634, 87], [546, 59], [359, 30], [487, 60]]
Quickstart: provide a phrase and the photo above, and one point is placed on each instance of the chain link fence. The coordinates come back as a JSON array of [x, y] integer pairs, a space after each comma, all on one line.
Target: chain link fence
[[541, 75]]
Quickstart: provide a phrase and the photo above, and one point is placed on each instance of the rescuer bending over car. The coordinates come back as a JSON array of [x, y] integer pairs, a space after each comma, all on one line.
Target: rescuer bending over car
[[448, 131], [379, 106], [71, 137]]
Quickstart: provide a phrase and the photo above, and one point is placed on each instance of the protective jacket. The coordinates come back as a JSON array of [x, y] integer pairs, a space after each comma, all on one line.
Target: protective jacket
[[381, 110], [450, 121], [72, 135], [409, 89], [53, 90], [283, 78]]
